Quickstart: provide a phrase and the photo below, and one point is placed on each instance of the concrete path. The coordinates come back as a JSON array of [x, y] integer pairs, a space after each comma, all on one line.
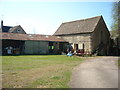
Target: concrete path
[[96, 72]]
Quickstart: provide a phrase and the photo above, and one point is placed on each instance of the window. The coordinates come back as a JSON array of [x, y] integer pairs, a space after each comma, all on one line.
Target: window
[[51, 47], [18, 30]]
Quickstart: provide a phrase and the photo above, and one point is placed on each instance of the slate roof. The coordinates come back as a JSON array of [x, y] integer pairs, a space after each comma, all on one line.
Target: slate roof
[[79, 26], [34, 37], [6, 28]]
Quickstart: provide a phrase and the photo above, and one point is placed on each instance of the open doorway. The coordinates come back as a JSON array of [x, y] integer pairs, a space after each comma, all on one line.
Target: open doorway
[[12, 47], [51, 47], [76, 46]]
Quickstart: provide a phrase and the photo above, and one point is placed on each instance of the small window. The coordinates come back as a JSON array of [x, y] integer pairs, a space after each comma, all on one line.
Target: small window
[[18, 30], [51, 47]]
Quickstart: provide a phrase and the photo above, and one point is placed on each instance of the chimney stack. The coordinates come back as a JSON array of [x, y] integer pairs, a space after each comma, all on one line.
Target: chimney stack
[[1, 23]]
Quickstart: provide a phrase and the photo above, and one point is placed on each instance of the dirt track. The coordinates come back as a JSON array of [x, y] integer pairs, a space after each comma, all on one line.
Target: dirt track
[[96, 72]]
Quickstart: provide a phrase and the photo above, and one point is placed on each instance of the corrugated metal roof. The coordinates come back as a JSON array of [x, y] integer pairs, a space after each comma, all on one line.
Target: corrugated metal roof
[[34, 37], [78, 26]]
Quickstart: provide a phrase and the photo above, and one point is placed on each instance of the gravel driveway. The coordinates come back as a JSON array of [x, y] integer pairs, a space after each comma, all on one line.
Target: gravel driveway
[[96, 72]]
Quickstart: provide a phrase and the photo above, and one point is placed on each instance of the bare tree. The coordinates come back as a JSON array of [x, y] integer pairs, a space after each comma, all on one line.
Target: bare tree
[[115, 17]]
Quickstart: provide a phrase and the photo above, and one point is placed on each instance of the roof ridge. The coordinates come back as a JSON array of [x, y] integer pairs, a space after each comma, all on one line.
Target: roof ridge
[[82, 19]]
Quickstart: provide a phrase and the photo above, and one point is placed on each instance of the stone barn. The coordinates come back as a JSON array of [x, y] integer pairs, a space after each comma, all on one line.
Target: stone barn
[[32, 43], [90, 34]]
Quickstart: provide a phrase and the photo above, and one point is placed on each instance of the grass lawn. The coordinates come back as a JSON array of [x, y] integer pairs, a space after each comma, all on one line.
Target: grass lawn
[[37, 71]]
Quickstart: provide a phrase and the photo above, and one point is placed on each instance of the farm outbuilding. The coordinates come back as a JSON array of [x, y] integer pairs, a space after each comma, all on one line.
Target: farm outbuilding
[[91, 35], [32, 43]]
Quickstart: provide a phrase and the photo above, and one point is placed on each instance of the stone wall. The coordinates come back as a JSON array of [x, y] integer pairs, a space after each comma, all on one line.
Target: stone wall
[[79, 39], [101, 34]]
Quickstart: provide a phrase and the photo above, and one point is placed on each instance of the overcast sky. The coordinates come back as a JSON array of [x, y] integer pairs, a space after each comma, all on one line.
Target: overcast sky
[[37, 17]]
